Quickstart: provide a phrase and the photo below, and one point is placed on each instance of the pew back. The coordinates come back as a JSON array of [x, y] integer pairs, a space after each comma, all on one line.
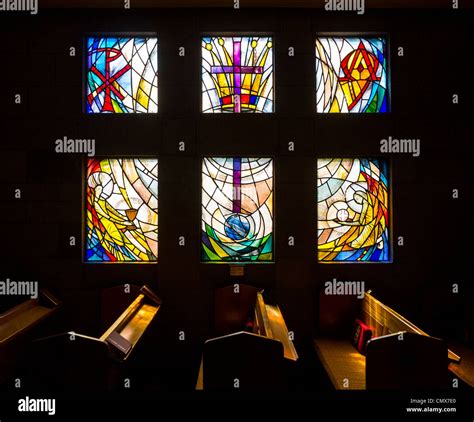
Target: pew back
[[252, 361], [406, 361]]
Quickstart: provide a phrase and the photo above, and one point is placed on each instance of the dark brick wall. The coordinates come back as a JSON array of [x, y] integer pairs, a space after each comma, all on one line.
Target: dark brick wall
[[36, 229]]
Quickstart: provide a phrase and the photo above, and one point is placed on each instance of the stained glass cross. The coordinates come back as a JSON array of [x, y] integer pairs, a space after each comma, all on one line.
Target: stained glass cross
[[237, 70]]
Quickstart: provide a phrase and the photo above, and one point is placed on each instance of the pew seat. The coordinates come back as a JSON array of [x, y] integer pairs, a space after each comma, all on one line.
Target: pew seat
[[341, 362]]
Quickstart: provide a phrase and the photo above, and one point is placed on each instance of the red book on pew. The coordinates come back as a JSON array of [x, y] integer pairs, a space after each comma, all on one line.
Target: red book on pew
[[361, 334]]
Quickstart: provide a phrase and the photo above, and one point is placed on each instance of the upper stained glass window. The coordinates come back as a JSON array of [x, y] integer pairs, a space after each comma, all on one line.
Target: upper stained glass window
[[353, 210], [351, 75], [237, 210], [122, 75], [237, 74], [122, 210]]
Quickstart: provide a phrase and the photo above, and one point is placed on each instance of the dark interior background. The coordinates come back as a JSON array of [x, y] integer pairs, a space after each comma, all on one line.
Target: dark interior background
[[37, 227]]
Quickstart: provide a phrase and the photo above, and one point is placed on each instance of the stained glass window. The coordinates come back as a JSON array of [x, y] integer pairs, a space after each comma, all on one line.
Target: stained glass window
[[237, 209], [237, 74], [353, 210], [351, 75], [122, 75], [122, 210]]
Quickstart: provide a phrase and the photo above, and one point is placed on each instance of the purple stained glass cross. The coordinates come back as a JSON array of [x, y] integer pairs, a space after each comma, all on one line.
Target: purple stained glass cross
[[237, 182], [237, 70]]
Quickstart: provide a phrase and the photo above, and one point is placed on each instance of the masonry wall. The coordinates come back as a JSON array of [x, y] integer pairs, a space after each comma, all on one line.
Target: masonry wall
[[36, 228]]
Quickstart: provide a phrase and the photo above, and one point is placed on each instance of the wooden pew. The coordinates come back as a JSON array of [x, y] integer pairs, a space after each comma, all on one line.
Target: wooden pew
[[76, 361], [21, 319], [419, 361], [124, 334], [463, 369], [253, 346], [387, 321]]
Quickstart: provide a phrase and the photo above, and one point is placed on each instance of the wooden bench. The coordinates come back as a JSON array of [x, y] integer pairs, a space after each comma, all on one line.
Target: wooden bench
[[418, 361], [83, 362], [18, 325], [254, 354]]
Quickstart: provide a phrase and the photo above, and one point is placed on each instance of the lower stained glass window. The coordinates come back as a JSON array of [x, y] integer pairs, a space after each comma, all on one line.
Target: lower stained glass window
[[237, 210], [353, 210], [122, 210]]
